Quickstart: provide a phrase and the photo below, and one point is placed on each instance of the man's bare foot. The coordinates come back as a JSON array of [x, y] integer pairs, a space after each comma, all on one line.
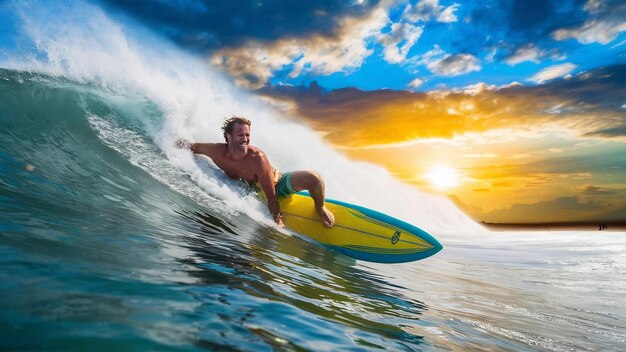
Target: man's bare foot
[[328, 219]]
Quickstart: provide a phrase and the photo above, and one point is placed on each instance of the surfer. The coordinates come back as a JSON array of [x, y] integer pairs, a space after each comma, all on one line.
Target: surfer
[[239, 160]]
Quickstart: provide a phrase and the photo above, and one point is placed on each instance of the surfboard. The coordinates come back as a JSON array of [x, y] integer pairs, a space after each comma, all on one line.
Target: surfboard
[[359, 232]]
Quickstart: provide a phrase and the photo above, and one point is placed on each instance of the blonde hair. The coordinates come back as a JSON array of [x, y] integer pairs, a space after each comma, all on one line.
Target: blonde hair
[[229, 123]]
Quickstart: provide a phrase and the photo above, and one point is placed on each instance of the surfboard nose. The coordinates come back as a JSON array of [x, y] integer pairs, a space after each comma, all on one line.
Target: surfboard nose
[[436, 246]]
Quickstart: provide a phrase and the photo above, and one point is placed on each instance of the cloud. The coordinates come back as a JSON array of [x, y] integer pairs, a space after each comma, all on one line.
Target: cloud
[[607, 21], [252, 40], [552, 72], [618, 131], [254, 63], [399, 41], [594, 31], [509, 25], [426, 10], [559, 209], [478, 88], [530, 52], [204, 25], [483, 113], [448, 15], [405, 33], [482, 155], [593, 190], [454, 65], [444, 64], [416, 83], [594, 5], [526, 53]]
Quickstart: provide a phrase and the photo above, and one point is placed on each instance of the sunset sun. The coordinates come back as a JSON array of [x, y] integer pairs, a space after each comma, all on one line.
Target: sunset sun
[[443, 177]]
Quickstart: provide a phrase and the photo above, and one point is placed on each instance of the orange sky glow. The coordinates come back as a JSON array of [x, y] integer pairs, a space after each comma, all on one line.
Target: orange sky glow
[[516, 150]]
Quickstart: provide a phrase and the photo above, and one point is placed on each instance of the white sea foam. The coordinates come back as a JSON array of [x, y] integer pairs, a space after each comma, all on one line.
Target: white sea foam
[[81, 41]]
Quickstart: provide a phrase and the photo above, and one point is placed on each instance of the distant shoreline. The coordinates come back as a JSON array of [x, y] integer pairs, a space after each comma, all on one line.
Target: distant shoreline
[[561, 226]]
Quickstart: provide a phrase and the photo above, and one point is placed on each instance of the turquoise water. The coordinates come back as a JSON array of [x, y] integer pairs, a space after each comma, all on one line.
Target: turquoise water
[[104, 245]]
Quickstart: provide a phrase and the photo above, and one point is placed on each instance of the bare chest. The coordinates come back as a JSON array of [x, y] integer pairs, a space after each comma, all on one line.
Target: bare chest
[[242, 169]]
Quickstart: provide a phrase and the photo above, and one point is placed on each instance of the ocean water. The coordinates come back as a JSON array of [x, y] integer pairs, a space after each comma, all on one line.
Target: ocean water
[[111, 239]]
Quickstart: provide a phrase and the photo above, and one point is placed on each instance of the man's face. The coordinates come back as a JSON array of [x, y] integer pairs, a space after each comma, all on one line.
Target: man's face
[[240, 138]]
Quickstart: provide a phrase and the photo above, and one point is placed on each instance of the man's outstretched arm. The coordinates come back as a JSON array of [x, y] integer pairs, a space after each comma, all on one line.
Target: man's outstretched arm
[[208, 149]]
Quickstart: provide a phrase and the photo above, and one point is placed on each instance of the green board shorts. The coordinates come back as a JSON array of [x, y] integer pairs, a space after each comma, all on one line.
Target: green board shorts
[[283, 186]]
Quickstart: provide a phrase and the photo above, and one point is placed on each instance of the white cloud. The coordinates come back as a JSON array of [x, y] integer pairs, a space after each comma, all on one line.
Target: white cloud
[[525, 53], [552, 72], [482, 155], [606, 23], [593, 5], [532, 53], [255, 62], [399, 41], [443, 64], [448, 15], [479, 88], [426, 10], [491, 55], [593, 31], [416, 83], [509, 85]]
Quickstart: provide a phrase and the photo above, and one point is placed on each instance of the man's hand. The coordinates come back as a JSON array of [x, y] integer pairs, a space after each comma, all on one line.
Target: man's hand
[[183, 144], [279, 220]]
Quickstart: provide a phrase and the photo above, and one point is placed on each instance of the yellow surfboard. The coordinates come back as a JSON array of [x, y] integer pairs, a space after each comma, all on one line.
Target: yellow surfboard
[[359, 232]]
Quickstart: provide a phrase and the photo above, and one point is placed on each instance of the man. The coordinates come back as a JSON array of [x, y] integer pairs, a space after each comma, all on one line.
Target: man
[[239, 160]]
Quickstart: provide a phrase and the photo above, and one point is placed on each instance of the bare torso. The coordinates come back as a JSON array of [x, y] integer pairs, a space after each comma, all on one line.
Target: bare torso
[[250, 168]]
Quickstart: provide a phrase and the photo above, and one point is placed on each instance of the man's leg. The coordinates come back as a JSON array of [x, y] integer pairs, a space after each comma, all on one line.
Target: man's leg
[[312, 182]]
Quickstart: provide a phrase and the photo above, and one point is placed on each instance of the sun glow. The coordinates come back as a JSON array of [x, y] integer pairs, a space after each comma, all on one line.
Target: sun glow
[[443, 177]]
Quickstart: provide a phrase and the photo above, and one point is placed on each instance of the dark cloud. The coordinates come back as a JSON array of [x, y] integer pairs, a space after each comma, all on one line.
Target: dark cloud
[[619, 131], [318, 103], [511, 24], [603, 88], [559, 209], [593, 190], [210, 24], [589, 103], [335, 113]]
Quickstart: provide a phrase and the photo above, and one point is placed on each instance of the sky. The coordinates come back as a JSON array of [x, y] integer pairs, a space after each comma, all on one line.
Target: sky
[[515, 109]]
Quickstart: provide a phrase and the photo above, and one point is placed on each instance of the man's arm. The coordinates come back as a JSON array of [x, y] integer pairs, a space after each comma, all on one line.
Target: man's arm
[[209, 149], [266, 181]]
